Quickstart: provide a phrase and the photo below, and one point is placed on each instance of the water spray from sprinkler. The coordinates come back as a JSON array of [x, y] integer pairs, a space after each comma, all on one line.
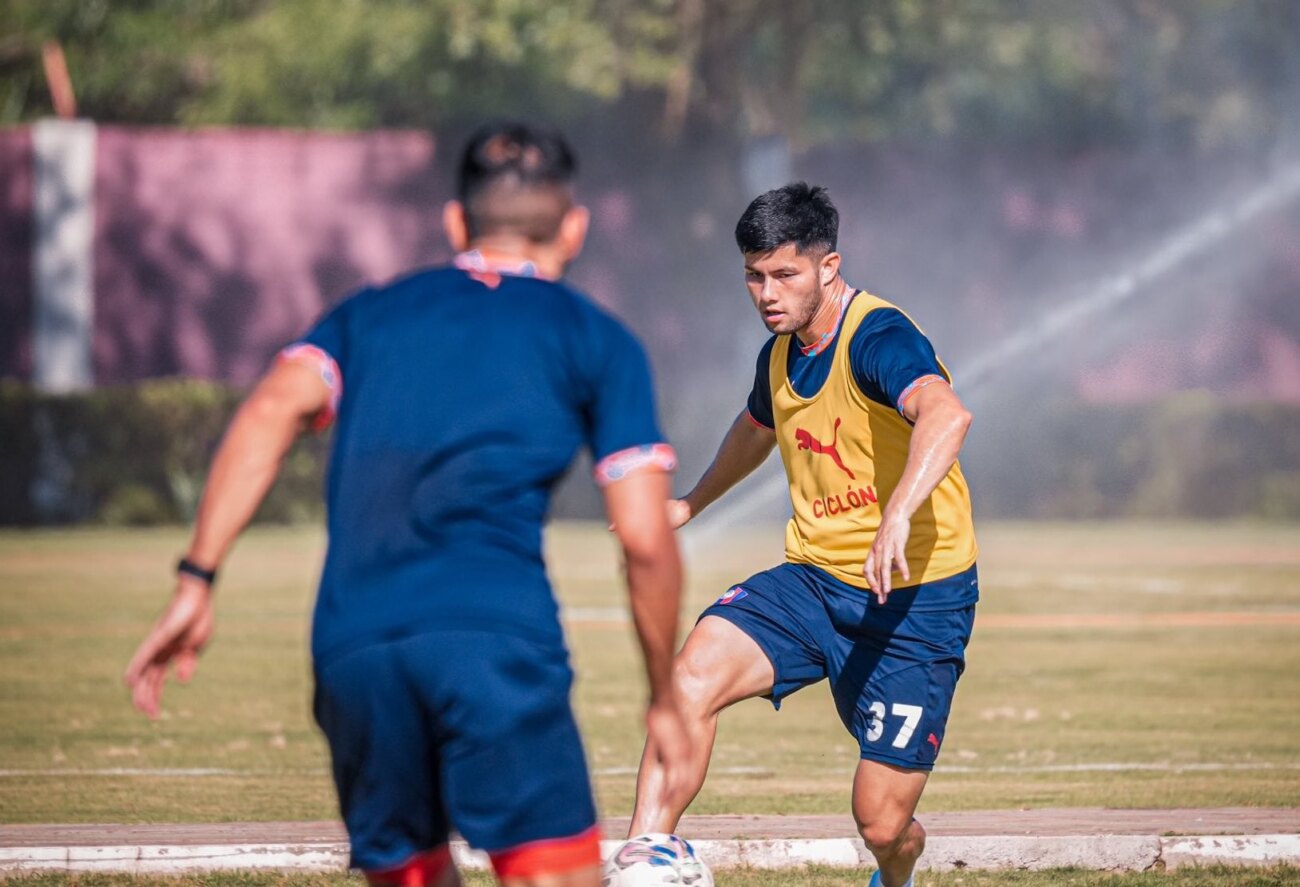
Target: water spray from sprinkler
[[1184, 243]]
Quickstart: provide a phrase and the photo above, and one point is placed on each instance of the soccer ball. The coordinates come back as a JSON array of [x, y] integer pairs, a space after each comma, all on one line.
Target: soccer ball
[[654, 859]]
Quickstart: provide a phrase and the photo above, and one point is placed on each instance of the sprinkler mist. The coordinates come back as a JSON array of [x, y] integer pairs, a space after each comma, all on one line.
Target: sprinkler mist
[[1203, 233]]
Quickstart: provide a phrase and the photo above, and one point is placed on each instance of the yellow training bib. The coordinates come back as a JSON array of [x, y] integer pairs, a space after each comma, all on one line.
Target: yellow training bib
[[844, 455]]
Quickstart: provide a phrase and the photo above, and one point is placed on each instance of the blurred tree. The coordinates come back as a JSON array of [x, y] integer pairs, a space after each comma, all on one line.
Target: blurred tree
[[1204, 72], [333, 63], [131, 60]]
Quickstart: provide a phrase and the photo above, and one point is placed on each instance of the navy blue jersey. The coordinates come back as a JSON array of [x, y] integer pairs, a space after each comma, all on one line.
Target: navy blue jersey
[[887, 352], [464, 398]]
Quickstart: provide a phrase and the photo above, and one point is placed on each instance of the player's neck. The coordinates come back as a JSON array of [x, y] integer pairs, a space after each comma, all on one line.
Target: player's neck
[[827, 317], [513, 251]]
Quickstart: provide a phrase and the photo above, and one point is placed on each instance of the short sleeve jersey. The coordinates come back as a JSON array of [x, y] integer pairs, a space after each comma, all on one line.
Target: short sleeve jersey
[[888, 353], [465, 397], [888, 358]]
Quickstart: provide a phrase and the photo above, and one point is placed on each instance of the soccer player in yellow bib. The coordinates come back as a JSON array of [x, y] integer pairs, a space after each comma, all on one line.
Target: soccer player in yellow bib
[[879, 586]]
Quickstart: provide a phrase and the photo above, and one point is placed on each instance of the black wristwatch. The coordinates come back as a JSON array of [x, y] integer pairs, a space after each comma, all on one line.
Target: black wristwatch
[[189, 568]]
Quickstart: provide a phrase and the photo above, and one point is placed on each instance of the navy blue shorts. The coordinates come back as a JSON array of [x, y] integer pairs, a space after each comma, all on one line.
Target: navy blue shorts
[[892, 669], [468, 730]]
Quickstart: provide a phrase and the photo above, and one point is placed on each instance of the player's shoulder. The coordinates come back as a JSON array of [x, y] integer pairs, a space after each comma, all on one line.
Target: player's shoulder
[[376, 294], [881, 316], [424, 281], [427, 284], [590, 318]]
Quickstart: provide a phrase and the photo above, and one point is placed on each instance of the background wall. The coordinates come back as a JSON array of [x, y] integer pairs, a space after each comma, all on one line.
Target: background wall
[[1089, 208]]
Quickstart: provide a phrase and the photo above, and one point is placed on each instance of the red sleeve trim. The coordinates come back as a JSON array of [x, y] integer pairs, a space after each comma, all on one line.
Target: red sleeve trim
[[318, 359], [755, 422], [916, 386], [634, 460]]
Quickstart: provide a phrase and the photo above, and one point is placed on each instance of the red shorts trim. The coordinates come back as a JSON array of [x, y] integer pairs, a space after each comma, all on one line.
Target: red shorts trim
[[420, 870], [756, 423], [554, 856]]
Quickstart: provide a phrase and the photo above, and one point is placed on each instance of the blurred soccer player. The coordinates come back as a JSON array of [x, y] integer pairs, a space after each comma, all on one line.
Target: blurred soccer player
[[459, 397], [878, 593]]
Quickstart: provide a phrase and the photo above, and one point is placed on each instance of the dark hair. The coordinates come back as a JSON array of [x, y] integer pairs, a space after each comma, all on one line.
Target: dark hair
[[515, 176], [797, 213]]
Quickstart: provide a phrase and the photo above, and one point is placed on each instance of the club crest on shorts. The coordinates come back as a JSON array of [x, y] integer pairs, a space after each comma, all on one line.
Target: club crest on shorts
[[733, 594]]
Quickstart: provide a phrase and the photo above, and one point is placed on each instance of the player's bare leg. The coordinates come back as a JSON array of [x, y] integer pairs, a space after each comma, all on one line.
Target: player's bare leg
[[884, 799], [585, 877], [718, 666]]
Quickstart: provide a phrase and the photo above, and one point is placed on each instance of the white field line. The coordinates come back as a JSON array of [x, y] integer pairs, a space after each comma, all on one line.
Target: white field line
[[131, 771], [1137, 619], [725, 771], [171, 772], [1117, 767], [1099, 767], [1103, 767]]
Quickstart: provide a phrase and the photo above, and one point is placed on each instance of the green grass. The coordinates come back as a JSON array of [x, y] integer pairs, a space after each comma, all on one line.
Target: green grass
[[1218, 876], [1036, 704]]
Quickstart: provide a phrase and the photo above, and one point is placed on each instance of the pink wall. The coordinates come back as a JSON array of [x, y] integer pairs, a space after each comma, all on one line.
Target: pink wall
[[215, 248], [16, 253]]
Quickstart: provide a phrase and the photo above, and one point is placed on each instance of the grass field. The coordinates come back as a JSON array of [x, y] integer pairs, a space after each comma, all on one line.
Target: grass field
[[1118, 665]]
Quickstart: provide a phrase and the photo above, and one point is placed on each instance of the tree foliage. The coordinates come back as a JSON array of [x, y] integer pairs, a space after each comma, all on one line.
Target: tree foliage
[[1205, 71]]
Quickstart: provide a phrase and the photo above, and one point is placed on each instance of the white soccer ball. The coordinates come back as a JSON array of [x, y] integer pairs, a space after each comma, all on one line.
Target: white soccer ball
[[653, 859]]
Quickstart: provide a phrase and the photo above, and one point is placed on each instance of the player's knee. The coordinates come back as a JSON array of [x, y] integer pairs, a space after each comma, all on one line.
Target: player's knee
[[885, 837], [711, 671], [694, 684]]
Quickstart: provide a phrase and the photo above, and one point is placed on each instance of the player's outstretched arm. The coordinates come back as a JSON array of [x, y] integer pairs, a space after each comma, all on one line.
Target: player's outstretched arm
[[744, 448], [940, 422], [636, 507], [246, 463]]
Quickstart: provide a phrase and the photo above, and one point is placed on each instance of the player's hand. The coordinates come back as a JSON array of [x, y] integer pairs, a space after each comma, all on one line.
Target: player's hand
[[888, 553], [669, 745], [679, 512], [177, 638]]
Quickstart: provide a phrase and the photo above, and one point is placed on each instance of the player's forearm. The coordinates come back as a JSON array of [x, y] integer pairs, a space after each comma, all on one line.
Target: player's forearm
[[654, 581], [937, 439], [243, 470], [744, 448], [636, 508]]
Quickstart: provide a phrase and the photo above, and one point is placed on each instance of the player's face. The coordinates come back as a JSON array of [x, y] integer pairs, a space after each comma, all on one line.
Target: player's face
[[785, 287]]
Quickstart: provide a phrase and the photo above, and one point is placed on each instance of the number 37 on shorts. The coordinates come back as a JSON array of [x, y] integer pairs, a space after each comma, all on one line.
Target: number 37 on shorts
[[911, 715], [900, 720]]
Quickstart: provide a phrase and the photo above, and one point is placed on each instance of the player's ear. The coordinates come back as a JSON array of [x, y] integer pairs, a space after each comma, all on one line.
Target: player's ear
[[573, 231], [828, 267], [455, 225]]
